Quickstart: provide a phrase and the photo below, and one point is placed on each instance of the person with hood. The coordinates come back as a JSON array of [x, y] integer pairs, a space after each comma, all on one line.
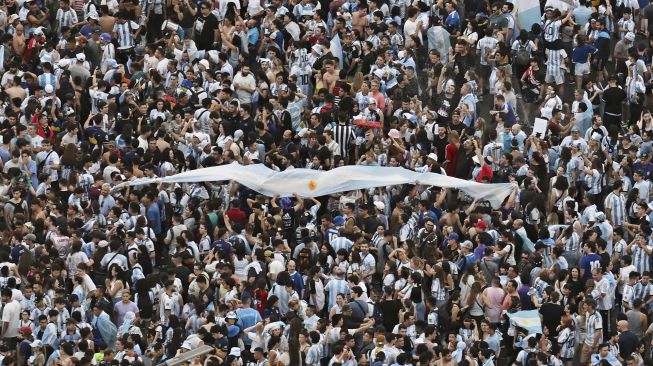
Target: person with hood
[[128, 326], [104, 331]]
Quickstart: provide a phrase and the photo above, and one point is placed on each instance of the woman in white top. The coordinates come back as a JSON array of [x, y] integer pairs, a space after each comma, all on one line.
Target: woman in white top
[[551, 101], [159, 111], [221, 140], [114, 284], [240, 263], [337, 309], [470, 35]]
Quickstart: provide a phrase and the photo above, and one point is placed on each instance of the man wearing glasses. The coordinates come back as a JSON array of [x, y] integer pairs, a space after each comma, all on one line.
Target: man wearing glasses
[[206, 31]]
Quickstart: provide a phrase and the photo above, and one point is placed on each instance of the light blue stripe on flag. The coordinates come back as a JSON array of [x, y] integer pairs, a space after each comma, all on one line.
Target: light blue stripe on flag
[[527, 319], [528, 12]]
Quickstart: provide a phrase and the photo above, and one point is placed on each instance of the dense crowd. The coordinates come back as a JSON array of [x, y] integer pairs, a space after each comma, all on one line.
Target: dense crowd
[[95, 94]]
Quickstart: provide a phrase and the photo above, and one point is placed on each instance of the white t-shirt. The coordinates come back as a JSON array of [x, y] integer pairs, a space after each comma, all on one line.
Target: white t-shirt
[[11, 315]]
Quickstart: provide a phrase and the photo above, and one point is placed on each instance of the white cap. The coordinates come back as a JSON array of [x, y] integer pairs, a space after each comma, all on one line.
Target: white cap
[[205, 63], [379, 205], [302, 132], [80, 57], [235, 351], [38, 31], [630, 36], [394, 133], [103, 244], [433, 156]]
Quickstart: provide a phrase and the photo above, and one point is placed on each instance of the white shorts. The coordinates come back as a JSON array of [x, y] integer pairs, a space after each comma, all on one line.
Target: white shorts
[[582, 69], [558, 78]]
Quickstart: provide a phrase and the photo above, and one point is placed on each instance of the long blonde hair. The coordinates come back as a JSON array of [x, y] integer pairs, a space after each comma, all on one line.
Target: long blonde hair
[[358, 81]]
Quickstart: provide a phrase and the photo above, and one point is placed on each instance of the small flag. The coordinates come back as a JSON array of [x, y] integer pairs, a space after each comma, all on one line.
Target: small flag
[[527, 319]]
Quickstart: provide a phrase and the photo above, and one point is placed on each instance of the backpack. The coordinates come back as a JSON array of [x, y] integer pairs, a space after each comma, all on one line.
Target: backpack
[[305, 261], [377, 314], [145, 304], [522, 57], [18, 207]]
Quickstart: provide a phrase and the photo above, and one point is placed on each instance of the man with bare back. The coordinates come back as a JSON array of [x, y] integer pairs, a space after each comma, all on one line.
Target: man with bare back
[[330, 75], [359, 19]]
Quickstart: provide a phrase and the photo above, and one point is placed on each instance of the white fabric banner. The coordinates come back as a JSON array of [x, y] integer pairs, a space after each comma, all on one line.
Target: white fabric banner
[[315, 183]]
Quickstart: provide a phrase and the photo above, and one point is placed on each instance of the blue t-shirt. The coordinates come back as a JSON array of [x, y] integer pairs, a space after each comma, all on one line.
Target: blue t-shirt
[[588, 263], [580, 55], [154, 216], [582, 15]]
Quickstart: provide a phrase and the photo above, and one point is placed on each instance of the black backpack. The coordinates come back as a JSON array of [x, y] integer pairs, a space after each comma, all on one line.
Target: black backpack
[[377, 314], [18, 207], [145, 304], [305, 261]]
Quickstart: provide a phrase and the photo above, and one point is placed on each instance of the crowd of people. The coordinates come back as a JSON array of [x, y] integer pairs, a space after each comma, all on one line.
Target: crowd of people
[[95, 94]]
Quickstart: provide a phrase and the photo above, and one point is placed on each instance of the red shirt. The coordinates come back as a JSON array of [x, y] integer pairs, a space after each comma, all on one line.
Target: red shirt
[[236, 215], [486, 171], [451, 154]]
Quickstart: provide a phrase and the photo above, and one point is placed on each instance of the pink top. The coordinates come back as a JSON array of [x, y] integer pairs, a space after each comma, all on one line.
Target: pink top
[[495, 296]]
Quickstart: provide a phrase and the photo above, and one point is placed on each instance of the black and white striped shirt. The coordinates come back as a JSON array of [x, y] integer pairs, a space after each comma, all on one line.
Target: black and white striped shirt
[[343, 134], [65, 18], [125, 34], [593, 322]]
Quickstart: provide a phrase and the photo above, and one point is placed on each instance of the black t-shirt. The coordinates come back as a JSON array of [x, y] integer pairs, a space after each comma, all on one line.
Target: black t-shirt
[[613, 97], [368, 224], [390, 310], [648, 14], [288, 219], [205, 30], [465, 164], [440, 144], [444, 107], [461, 65], [267, 140], [551, 314]]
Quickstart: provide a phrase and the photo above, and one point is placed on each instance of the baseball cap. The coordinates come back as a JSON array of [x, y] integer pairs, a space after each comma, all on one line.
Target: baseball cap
[[338, 220], [37, 343], [630, 36], [432, 156], [112, 63], [205, 63], [105, 37], [452, 236], [80, 57], [379, 205], [481, 225], [467, 244]]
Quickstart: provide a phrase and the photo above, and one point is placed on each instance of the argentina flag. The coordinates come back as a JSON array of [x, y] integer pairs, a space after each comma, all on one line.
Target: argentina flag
[[527, 319]]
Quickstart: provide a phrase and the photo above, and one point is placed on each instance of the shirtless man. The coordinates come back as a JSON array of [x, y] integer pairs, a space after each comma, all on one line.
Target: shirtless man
[[359, 19], [18, 42], [330, 75], [14, 90]]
